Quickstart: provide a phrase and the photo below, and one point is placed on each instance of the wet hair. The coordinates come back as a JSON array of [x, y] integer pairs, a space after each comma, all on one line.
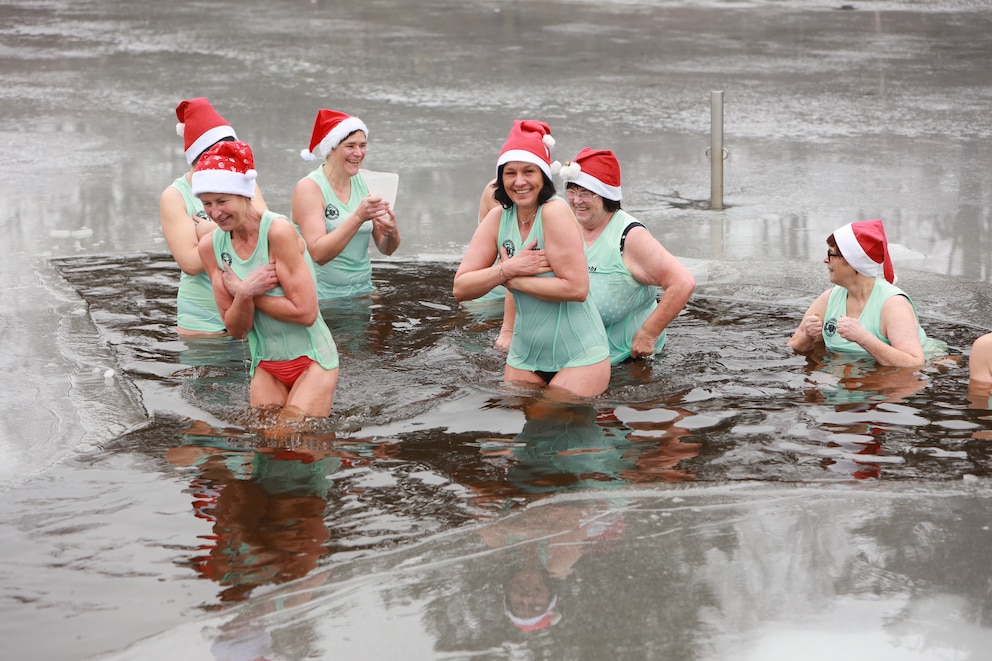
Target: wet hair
[[608, 205], [501, 196], [832, 242], [228, 138]]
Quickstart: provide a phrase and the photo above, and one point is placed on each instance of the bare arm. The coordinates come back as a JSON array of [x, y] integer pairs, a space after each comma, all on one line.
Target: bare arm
[[563, 247], [651, 264], [299, 301], [505, 336], [477, 273], [980, 360], [182, 232], [486, 200], [899, 324], [235, 297], [308, 214], [258, 201], [385, 232], [809, 334]]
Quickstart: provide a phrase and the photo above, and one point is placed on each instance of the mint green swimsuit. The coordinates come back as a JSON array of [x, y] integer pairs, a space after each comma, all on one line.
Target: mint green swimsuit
[[871, 319], [196, 309], [547, 336], [622, 302], [349, 274], [272, 339]]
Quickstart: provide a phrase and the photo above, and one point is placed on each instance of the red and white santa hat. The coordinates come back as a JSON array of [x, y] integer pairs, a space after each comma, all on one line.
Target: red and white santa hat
[[864, 246], [545, 620], [227, 167], [329, 129], [597, 170], [200, 126], [529, 141]]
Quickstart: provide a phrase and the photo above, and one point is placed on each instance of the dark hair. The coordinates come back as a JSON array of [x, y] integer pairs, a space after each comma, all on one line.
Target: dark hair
[[227, 138], [608, 205], [348, 136], [832, 242], [501, 196]]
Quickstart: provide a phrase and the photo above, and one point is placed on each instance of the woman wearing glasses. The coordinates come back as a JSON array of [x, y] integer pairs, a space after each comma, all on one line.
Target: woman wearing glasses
[[558, 337], [864, 312], [626, 263]]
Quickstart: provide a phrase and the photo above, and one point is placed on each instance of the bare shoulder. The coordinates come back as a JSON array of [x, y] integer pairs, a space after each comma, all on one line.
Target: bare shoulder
[[282, 229], [557, 210]]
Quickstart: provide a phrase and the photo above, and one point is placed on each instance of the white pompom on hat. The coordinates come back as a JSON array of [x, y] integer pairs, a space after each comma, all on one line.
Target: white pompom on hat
[[597, 170], [227, 167], [864, 246], [329, 128], [529, 141], [200, 126]]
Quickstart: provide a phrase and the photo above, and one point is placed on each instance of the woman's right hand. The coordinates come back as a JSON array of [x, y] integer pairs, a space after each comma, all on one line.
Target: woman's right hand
[[813, 327]]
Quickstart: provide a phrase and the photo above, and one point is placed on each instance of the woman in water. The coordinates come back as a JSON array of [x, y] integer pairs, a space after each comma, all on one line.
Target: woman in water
[[336, 213], [263, 284], [532, 245], [184, 222], [864, 313]]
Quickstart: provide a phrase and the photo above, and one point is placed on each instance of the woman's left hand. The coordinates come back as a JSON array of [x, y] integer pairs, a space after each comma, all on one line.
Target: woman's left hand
[[851, 330], [385, 223], [642, 345]]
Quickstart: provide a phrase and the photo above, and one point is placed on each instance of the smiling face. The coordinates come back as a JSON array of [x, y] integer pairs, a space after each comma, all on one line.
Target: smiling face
[[225, 209], [523, 182], [587, 206], [350, 153]]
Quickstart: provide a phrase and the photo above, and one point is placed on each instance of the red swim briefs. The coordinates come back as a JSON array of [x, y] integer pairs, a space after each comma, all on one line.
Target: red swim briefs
[[287, 371]]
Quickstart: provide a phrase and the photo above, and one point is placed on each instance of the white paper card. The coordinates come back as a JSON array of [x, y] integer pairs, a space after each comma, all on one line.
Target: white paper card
[[383, 184]]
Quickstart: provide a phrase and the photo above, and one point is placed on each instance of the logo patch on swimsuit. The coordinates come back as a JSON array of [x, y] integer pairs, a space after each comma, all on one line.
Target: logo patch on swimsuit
[[331, 212], [510, 248], [226, 258], [202, 215], [830, 327], [592, 269]]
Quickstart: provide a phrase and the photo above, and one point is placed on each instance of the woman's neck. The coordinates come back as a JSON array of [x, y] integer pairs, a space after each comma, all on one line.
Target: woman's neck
[[861, 288]]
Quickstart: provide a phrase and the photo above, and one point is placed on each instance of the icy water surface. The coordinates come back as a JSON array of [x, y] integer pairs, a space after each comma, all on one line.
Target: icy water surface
[[728, 500], [425, 443]]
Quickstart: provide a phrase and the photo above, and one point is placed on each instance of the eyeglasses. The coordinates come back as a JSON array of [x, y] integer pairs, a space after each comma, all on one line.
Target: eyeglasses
[[580, 193], [831, 255]]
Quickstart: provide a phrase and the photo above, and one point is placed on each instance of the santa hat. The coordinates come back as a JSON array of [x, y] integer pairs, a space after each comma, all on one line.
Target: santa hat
[[864, 246], [227, 167], [594, 169], [529, 141], [329, 129], [200, 126], [545, 620]]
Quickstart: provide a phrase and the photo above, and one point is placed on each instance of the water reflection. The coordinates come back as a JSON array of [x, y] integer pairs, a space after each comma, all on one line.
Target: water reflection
[[568, 446], [539, 551], [706, 574], [266, 505]]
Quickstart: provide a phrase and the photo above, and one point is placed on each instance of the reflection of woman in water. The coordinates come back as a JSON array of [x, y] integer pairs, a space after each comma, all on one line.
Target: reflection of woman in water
[[544, 544], [569, 446], [266, 508], [269, 527]]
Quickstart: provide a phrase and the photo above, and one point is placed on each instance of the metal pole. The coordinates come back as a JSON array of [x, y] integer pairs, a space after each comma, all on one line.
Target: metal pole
[[716, 150]]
